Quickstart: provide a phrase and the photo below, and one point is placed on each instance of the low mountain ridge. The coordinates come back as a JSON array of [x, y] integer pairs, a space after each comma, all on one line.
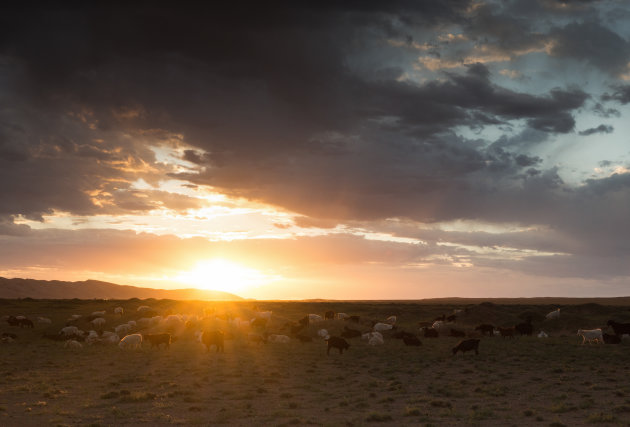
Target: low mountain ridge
[[95, 289]]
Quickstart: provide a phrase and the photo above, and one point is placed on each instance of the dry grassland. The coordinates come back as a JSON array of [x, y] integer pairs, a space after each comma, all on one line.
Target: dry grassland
[[523, 381]]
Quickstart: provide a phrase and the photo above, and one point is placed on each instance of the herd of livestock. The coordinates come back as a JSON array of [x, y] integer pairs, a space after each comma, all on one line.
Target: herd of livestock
[[150, 328]]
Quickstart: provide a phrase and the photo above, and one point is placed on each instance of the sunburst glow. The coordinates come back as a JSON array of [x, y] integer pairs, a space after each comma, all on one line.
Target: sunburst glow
[[222, 275]]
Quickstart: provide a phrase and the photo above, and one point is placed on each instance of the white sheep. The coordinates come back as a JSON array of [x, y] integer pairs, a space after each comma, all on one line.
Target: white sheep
[[553, 315], [323, 333], [69, 331], [376, 340], [379, 327], [92, 338], [282, 339], [314, 318], [143, 308], [44, 320], [173, 322], [72, 344], [543, 334], [122, 329], [591, 335], [391, 320], [119, 310], [98, 313], [110, 338], [133, 341], [342, 316], [368, 335], [99, 322], [132, 323]]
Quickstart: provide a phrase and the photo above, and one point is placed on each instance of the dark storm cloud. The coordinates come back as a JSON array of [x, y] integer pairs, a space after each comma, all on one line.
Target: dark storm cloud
[[598, 129], [593, 43], [278, 105], [260, 92], [621, 94]]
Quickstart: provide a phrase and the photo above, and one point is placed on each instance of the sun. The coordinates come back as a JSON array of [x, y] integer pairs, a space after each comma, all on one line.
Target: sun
[[222, 275]]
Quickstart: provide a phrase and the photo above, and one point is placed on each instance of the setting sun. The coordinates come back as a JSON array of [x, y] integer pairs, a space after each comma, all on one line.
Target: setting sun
[[222, 275]]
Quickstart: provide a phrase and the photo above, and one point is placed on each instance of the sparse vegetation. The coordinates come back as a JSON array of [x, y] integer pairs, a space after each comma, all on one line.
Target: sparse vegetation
[[558, 381]]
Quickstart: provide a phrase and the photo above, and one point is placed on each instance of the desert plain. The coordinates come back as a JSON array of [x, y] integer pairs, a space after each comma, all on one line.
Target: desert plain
[[524, 380]]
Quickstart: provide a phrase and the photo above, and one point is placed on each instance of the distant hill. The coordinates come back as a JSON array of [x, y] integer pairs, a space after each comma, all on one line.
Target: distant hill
[[94, 289]]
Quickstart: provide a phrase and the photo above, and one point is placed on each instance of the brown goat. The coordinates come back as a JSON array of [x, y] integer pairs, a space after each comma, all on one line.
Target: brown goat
[[157, 339]]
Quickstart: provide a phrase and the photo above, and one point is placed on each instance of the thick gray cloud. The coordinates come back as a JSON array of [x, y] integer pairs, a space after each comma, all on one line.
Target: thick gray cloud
[[318, 109], [599, 129]]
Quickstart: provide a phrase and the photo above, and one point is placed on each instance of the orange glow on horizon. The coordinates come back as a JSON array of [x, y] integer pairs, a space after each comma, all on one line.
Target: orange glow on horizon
[[223, 275]]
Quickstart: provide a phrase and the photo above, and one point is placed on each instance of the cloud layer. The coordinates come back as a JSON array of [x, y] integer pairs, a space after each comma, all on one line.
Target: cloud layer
[[424, 113]]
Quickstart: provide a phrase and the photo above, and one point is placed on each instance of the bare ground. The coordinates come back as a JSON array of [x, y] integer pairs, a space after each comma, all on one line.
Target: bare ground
[[520, 381]]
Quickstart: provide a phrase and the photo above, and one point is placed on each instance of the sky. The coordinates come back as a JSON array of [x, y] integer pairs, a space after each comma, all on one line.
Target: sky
[[343, 150]]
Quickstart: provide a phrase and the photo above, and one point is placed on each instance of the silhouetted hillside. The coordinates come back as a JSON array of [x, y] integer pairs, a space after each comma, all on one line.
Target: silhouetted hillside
[[90, 289]]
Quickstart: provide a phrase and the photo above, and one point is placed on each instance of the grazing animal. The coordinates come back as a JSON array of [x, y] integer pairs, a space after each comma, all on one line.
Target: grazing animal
[[456, 333], [591, 335], [430, 332], [441, 326], [216, 338], [98, 313], [379, 327], [119, 310], [173, 322], [338, 343], [350, 333], [329, 315], [44, 320], [314, 318], [69, 331], [72, 344], [98, 322], [122, 329], [323, 333], [157, 339], [132, 341], [467, 345], [411, 340], [368, 335], [611, 339], [391, 320], [25, 323], [525, 328], [506, 332], [342, 316], [109, 337], [543, 334], [282, 339], [143, 308], [376, 340], [553, 315], [485, 328], [619, 328]]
